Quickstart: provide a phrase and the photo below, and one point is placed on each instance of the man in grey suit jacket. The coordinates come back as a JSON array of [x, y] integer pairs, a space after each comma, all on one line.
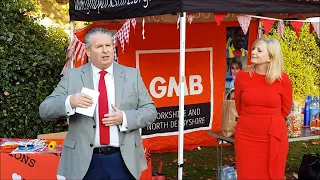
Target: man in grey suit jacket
[[130, 108]]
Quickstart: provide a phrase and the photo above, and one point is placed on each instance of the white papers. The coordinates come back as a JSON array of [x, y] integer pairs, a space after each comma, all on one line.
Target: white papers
[[9, 143], [89, 111], [59, 177]]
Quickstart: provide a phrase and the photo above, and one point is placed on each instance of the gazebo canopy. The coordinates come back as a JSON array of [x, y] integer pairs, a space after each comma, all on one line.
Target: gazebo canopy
[[84, 10]]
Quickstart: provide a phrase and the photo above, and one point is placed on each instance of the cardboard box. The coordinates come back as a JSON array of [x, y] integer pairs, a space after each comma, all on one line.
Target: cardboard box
[[59, 135]]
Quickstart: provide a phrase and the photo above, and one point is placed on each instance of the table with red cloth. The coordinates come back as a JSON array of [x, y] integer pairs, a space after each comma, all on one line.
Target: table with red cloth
[[41, 165], [37, 166], [306, 134]]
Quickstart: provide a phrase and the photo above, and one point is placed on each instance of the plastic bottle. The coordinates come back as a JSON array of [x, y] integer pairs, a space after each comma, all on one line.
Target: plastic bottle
[[316, 114], [307, 118], [313, 113], [314, 108], [229, 173], [224, 173], [316, 98]]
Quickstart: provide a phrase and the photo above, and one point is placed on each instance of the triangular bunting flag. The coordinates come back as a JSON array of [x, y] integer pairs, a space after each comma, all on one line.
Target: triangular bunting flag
[[178, 22], [218, 17], [316, 26], [280, 29], [120, 35], [143, 31], [79, 45], [80, 54], [297, 27], [267, 25], [114, 42], [133, 23], [70, 50], [190, 17], [126, 30], [244, 22], [311, 28]]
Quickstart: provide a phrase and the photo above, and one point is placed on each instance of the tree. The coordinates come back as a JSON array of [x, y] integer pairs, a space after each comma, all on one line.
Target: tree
[[302, 63], [31, 59]]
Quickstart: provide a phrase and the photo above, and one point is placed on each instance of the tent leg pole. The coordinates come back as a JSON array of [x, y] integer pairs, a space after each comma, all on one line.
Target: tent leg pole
[[181, 94], [71, 38]]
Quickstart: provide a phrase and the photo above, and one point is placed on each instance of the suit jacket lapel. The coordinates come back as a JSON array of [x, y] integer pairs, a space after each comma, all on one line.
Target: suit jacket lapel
[[118, 84], [86, 76], [87, 79]]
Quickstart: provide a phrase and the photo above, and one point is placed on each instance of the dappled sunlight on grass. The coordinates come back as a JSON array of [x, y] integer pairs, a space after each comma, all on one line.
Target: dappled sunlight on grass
[[201, 164]]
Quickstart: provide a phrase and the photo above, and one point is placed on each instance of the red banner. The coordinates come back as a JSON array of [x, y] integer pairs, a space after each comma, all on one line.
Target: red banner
[[163, 85]]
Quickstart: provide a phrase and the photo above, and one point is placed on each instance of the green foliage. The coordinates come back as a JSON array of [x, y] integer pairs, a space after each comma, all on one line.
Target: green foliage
[[31, 59], [302, 63], [16, 7]]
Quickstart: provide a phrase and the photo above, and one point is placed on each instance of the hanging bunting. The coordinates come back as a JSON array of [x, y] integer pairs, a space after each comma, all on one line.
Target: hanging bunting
[[190, 17], [316, 27], [280, 29], [178, 21], [69, 51], [81, 54], [123, 33], [126, 31], [121, 38], [311, 28], [143, 22], [133, 23], [114, 43], [76, 49], [267, 25], [79, 46], [297, 27], [218, 17], [72, 49], [244, 22]]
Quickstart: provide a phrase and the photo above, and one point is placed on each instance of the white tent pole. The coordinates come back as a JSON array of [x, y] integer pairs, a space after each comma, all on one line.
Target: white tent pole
[[181, 94], [71, 38]]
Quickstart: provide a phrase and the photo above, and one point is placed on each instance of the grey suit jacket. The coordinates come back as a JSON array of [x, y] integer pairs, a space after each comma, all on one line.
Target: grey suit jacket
[[131, 96]]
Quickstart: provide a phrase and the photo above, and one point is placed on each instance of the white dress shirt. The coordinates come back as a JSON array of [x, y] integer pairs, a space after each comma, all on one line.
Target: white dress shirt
[[109, 80]]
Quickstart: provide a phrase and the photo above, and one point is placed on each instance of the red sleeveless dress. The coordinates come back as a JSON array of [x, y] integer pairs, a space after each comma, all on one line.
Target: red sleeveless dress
[[261, 141]]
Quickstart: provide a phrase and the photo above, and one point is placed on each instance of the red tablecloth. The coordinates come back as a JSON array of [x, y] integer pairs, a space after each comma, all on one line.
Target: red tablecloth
[[29, 166], [39, 166]]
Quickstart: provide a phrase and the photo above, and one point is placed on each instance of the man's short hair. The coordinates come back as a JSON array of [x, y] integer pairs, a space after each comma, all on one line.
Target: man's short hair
[[95, 31]]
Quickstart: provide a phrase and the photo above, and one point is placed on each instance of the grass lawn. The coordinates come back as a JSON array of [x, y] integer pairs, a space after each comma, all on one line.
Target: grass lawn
[[201, 164]]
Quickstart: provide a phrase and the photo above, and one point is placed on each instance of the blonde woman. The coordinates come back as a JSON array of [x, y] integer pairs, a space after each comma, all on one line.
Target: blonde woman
[[263, 96]]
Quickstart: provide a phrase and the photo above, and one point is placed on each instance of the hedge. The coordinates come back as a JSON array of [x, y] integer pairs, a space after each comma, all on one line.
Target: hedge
[[31, 59]]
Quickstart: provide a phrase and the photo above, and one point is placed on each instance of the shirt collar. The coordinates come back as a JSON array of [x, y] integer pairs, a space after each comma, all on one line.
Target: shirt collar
[[96, 70]]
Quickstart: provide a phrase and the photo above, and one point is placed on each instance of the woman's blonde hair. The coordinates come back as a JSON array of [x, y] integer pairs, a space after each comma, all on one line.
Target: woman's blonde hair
[[276, 65]]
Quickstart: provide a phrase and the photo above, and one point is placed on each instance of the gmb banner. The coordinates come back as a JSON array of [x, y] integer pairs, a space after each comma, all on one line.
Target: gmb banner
[[160, 73]]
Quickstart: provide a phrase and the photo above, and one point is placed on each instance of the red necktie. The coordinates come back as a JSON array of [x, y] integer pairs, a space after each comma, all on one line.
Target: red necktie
[[103, 109]]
